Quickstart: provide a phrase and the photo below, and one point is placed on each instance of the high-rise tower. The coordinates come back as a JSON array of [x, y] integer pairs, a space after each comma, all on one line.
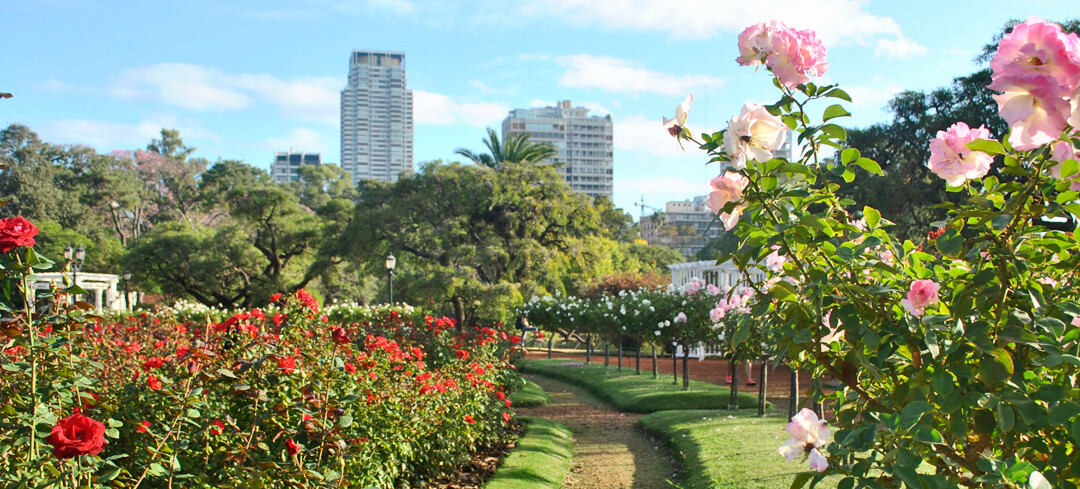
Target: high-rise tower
[[584, 143], [377, 117]]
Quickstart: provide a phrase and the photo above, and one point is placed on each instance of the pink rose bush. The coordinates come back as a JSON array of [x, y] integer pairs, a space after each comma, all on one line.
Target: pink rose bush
[[948, 349], [951, 159]]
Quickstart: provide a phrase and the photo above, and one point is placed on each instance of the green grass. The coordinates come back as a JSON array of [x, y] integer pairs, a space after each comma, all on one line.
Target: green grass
[[636, 393], [531, 395], [734, 452], [541, 459]]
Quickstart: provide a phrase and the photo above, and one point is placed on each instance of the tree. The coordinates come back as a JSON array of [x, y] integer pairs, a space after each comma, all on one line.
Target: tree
[[515, 149]]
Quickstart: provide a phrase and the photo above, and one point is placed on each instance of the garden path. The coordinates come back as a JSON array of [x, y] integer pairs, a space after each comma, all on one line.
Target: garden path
[[610, 451]]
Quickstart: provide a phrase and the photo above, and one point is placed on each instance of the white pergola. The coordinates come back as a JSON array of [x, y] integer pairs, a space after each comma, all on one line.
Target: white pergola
[[712, 273], [101, 286]]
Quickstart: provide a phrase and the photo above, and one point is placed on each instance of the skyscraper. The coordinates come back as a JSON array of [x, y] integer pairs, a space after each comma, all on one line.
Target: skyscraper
[[376, 117], [584, 143]]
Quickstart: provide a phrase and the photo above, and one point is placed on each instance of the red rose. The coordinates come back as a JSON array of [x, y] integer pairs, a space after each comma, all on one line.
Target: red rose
[[340, 336], [153, 382], [77, 435], [292, 447], [217, 427], [287, 364], [469, 419], [141, 427], [16, 232], [506, 417]]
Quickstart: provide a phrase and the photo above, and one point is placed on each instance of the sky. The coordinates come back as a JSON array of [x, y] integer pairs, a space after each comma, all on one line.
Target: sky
[[243, 79]]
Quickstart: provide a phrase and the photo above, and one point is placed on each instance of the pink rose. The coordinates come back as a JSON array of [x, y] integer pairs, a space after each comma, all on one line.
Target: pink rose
[[727, 188], [1039, 47], [753, 135], [1074, 102], [1062, 150], [952, 160], [796, 55], [756, 42], [1034, 106], [808, 434], [923, 293]]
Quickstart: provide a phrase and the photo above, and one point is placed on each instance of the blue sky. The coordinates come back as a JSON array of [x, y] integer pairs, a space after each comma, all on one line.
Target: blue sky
[[242, 79]]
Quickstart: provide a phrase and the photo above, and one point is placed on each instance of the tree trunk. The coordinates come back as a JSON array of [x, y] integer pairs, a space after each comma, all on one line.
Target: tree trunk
[[459, 313], [763, 378], [551, 339], [793, 406], [733, 403], [620, 355], [607, 353], [637, 365], [655, 372], [686, 369], [588, 348], [675, 364]]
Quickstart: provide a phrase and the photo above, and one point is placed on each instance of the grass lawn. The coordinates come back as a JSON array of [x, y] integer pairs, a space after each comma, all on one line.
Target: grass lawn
[[531, 395], [733, 452], [636, 393], [541, 459]]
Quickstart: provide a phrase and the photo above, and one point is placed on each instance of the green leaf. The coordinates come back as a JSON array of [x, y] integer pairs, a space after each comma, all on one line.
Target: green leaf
[[914, 411], [1069, 168], [834, 111], [345, 421], [1064, 413], [838, 93], [848, 156], [1006, 416], [950, 243], [986, 146], [870, 166], [872, 216], [928, 435], [835, 131], [112, 433]]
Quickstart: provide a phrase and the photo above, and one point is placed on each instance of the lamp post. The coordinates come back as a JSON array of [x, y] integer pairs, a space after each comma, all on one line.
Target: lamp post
[[127, 290], [75, 259], [390, 263]]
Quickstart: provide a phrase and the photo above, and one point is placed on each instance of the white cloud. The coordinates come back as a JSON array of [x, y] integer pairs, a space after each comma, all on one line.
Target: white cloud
[[836, 21], [108, 136], [661, 188], [623, 76], [872, 97], [536, 103], [299, 139], [900, 48], [54, 85], [439, 109], [199, 88]]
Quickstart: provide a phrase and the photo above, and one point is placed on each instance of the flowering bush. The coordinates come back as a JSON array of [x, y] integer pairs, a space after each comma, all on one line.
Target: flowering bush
[[959, 353], [283, 396]]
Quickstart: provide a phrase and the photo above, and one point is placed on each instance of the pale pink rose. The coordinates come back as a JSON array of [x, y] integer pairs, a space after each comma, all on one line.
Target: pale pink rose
[[1039, 47], [712, 290], [796, 55], [1062, 150], [834, 335], [753, 135], [952, 160], [886, 257], [1074, 102], [676, 125], [922, 294], [808, 434], [756, 42], [680, 318], [717, 314], [727, 188], [1075, 321], [774, 261], [1035, 107]]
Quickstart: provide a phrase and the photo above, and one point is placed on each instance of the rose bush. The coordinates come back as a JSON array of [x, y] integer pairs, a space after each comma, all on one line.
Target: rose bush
[[957, 357], [288, 395]]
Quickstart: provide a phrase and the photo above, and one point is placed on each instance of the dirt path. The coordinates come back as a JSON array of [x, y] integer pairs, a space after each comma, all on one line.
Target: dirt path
[[610, 451]]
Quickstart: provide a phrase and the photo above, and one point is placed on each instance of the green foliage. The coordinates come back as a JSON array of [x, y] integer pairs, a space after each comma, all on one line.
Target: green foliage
[[718, 450], [516, 149], [634, 393], [540, 460], [531, 395]]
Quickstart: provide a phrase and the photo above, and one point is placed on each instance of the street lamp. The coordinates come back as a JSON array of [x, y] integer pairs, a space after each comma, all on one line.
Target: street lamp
[[390, 262], [75, 259], [127, 289]]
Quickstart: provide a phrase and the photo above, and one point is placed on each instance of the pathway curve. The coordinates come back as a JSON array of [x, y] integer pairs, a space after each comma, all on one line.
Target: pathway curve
[[610, 451]]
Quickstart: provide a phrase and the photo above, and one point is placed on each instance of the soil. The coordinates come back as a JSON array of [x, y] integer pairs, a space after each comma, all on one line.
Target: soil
[[610, 451], [485, 461]]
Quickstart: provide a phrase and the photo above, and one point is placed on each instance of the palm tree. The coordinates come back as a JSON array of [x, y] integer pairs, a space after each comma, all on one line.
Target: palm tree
[[514, 149]]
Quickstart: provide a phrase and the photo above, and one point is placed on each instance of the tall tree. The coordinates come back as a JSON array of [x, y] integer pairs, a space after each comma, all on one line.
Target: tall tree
[[515, 149]]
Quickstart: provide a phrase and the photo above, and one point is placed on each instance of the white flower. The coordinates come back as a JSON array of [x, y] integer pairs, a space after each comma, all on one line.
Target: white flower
[[808, 434], [753, 135], [676, 125]]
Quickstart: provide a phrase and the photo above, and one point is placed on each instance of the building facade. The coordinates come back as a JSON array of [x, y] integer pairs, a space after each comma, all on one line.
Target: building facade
[[377, 117], [584, 143], [685, 225], [286, 165]]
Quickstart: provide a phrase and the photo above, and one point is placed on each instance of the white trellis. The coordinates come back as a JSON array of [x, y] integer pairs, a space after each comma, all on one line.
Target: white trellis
[[101, 288], [720, 275]]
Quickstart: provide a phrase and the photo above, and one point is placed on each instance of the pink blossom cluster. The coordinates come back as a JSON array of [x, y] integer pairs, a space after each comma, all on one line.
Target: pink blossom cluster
[[1037, 67], [792, 55], [922, 294]]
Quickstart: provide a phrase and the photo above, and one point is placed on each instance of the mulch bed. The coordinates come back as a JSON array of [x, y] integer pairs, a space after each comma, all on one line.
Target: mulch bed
[[483, 465]]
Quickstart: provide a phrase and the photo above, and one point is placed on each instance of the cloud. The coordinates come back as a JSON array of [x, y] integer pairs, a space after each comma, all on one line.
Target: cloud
[[660, 189], [199, 88], [900, 48], [54, 85], [623, 76], [439, 109], [872, 97], [640, 133], [836, 21], [108, 136], [299, 139]]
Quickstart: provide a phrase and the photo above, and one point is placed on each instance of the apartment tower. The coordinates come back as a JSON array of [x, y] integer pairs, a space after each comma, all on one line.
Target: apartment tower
[[377, 117], [584, 143]]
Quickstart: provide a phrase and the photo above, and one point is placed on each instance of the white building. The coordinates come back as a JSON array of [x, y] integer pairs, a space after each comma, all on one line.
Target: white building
[[377, 117], [687, 226], [286, 165], [584, 143]]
